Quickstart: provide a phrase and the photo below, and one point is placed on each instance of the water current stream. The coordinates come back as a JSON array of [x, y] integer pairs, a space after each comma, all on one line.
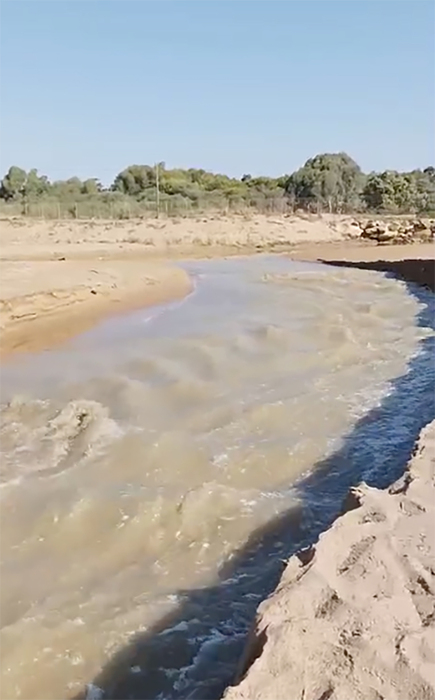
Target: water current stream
[[157, 471]]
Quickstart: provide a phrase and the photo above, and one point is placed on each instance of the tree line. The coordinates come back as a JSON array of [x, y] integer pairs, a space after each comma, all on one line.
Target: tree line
[[329, 182]]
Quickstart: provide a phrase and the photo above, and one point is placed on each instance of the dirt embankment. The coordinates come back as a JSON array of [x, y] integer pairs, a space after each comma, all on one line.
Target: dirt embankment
[[354, 617], [421, 272], [410, 262]]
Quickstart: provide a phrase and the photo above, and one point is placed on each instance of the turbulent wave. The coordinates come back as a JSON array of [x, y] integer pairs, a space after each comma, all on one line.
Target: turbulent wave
[[37, 437]]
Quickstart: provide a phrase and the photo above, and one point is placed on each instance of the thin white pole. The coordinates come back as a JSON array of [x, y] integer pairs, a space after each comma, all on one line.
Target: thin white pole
[[157, 190]]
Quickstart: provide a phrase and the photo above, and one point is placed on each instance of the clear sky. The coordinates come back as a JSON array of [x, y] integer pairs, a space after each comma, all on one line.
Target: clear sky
[[91, 86]]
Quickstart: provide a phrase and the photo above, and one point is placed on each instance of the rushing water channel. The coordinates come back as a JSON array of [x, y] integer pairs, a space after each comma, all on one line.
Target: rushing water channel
[[157, 470]]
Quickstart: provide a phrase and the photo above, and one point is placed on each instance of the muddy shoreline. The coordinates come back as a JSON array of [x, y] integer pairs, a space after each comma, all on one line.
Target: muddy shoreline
[[45, 303], [421, 272], [411, 263]]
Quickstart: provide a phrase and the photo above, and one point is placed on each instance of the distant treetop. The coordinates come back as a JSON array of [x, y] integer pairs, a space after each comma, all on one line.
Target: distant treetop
[[331, 182]]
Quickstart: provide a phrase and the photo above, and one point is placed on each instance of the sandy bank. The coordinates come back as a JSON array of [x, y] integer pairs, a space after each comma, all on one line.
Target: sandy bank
[[354, 617], [421, 272], [59, 278], [44, 302], [24, 237], [413, 263]]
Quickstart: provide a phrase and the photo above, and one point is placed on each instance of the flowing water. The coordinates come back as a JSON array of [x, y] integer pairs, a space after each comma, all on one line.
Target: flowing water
[[157, 470]]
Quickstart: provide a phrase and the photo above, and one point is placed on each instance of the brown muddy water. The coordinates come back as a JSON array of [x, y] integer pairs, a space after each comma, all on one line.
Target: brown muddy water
[[157, 471]]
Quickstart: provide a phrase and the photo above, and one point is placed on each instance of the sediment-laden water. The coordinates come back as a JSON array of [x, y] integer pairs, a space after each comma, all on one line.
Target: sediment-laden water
[[157, 471]]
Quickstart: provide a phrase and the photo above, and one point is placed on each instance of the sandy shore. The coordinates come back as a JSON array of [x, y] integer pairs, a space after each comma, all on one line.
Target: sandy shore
[[60, 278], [354, 617], [157, 237], [44, 302]]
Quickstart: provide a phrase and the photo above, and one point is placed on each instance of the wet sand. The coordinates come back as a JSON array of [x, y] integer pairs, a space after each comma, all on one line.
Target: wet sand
[[45, 302]]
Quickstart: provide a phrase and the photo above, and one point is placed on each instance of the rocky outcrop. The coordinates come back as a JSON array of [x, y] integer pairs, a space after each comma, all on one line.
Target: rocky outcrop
[[396, 231], [354, 618]]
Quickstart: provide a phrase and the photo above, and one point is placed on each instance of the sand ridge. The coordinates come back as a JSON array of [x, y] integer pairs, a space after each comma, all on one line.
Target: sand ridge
[[354, 617]]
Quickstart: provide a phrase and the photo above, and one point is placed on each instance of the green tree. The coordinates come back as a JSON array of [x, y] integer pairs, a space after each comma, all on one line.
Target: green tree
[[36, 186], [12, 185], [67, 190], [134, 180], [92, 186], [425, 189], [392, 192], [329, 181]]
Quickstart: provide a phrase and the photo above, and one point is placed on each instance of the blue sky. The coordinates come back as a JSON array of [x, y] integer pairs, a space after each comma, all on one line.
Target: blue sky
[[90, 86]]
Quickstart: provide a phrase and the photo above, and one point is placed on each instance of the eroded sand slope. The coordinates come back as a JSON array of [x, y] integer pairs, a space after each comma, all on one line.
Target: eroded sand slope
[[58, 278], [43, 302], [354, 618]]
